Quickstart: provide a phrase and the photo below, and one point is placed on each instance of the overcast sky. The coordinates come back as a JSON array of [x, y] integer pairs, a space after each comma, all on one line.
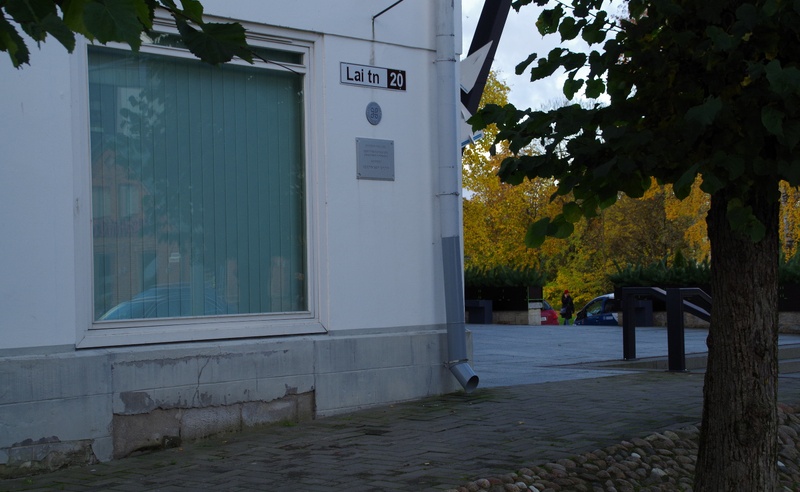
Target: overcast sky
[[520, 38]]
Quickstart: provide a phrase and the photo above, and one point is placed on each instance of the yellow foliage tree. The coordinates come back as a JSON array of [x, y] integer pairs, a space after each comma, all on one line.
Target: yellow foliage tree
[[496, 214], [689, 215], [636, 231], [790, 219]]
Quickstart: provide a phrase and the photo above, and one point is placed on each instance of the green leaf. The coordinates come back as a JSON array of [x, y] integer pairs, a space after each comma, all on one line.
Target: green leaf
[[597, 64], [762, 166], [580, 9], [791, 135], [791, 172], [548, 20], [571, 86], [711, 183], [38, 18], [216, 43], [572, 212], [783, 81], [509, 171], [705, 113], [735, 166], [571, 61], [546, 67], [748, 13], [12, 43], [771, 7], [537, 233], [634, 187], [604, 169], [193, 9], [557, 227], [519, 3], [73, 16], [569, 29], [683, 186], [595, 32], [114, 20], [721, 39], [56, 28], [521, 67], [560, 228], [772, 119], [637, 8], [742, 220], [595, 88], [607, 201], [29, 11], [145, 10]]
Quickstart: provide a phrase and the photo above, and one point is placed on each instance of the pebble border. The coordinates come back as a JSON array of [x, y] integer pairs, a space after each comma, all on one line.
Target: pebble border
[[659, 462]]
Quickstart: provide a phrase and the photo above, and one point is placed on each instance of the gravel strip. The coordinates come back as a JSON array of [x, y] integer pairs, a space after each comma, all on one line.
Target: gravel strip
[[659, 462]]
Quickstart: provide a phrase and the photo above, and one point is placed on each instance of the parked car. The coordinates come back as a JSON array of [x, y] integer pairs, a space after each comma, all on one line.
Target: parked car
[[549, 315], [602, 310]]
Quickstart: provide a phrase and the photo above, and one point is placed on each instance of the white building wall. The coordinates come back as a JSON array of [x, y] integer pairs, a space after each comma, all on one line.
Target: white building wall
[[382, 233], [37, 288], [378, 288]]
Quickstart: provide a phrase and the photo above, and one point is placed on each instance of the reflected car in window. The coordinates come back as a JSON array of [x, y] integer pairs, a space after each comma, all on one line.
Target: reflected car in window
[[169, 301]]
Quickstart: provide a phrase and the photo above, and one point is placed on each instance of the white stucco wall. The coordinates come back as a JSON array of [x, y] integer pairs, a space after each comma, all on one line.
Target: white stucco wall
[[37, 286], [375, 242]]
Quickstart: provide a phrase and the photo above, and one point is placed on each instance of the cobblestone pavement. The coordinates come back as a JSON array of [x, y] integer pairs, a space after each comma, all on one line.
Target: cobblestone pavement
[[434, 444]]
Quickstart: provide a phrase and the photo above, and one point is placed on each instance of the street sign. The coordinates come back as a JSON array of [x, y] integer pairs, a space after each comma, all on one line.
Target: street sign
[[376, 77]]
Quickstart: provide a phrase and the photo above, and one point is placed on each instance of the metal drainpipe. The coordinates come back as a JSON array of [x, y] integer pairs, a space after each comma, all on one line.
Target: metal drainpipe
[[449, 155]]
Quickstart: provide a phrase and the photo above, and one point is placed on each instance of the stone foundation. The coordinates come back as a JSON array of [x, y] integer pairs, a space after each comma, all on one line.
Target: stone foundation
[[30, 457], [167, 428]]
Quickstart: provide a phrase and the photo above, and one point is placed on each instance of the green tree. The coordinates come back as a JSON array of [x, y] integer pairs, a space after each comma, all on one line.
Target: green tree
[[107, 21], [696, 90]]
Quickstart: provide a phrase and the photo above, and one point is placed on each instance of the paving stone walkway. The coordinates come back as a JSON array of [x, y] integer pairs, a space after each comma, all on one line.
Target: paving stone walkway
[[433, 444]]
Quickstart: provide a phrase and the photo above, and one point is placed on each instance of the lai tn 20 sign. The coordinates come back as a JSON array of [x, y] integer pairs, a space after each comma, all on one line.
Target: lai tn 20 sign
[[377, 77]]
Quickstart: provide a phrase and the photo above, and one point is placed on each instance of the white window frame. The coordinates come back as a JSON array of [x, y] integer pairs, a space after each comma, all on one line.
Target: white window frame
[[91, 334]]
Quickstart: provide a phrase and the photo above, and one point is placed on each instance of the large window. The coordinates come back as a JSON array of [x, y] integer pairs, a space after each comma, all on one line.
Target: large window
[[198, 186]]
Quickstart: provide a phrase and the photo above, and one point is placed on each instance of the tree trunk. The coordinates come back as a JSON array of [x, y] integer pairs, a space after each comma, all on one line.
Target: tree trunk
[[738, 438]]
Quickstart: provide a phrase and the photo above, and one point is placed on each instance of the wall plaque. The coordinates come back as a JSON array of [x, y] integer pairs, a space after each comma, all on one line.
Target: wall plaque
[[374, 113], [375, 159]]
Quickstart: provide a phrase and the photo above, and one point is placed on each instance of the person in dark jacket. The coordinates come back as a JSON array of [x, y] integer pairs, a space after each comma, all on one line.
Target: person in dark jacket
[[567, 307]]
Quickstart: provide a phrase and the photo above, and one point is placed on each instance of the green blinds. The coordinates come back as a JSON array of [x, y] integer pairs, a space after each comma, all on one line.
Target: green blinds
[[198, 188]]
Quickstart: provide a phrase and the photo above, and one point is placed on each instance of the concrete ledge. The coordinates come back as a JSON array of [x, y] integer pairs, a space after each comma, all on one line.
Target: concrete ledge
[[364, 371]]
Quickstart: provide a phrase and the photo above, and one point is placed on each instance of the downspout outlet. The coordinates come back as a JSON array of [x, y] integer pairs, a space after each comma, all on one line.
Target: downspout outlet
[[464, 374]]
